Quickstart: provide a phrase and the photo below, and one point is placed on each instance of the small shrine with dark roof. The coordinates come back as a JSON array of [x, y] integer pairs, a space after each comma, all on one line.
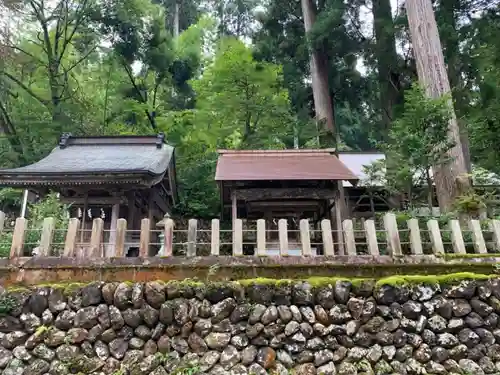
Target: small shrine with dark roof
[[111, 177]]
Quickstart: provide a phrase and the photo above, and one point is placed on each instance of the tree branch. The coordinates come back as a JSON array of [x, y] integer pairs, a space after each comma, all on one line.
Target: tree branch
[[81, 59], [43, 22], [57, 35], [12, 136], [143, 100], [26, 88], [78, 21], [26, 53]]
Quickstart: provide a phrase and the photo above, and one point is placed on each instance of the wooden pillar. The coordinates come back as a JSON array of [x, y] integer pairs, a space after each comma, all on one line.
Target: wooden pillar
[[131, 220], [261, 237], [337, 218], [2, 221], [16, 250], [84, 217], [95, 249], [215, 237], [121, 232], [151, 209], [234, 207], [372, 204], [70, 243], [110, 248], [268, 217]]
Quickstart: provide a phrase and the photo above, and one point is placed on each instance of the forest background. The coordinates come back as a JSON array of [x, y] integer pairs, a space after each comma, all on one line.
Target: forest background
[[216, 74]]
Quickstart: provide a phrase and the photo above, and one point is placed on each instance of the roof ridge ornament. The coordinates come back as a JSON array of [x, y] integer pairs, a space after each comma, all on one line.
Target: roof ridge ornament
[[64, 140], [160, 140]]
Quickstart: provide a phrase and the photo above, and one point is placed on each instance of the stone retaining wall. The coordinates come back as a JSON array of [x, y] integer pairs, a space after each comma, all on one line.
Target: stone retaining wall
[[321, 327]]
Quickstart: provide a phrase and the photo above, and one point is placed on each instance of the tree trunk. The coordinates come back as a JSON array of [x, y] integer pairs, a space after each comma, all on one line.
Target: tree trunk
[[319, 76], [447, 18], [387, 59], [433, 76], [388, 76], [324, 111], [176, 18]]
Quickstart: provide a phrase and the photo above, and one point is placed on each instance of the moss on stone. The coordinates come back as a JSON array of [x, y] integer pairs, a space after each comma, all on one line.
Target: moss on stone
[[315, 282], [265, 281], [184, 283], [18, 289], [402, 280], [450, 256], [41, 330], [318, 282], [162, 282], [397, 280], [67, 289], [72, 288]]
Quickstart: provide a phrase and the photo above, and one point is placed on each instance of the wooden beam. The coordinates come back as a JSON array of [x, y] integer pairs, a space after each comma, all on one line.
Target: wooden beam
[[283, 193], [159, 200], [279, 204], [94, 200]]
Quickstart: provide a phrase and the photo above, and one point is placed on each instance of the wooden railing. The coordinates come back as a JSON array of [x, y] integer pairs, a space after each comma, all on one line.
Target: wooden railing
[[366, 237]]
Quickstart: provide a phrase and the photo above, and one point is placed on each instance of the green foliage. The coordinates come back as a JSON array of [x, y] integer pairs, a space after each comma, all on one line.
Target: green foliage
[[470, 203], [7, 304], [189, 369], [5, 244], [418, 140], [50, 206], [419, 136], [241, 102], [11, 199]]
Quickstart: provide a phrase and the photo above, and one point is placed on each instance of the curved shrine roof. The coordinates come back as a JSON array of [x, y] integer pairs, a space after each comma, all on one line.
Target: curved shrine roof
[[108, 158]]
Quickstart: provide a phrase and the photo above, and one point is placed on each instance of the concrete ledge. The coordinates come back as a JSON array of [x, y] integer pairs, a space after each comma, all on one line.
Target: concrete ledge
[[36, 270]]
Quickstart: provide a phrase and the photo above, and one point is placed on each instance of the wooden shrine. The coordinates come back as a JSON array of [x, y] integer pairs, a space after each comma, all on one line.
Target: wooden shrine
[[281, 184], [107, 177]]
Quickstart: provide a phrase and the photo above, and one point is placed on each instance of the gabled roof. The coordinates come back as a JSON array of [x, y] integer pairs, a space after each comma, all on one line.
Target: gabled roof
[[357, 160], [259, 165], [112, 159]]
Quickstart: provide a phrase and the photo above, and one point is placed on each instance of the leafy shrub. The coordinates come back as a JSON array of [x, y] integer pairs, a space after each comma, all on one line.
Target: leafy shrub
[[50, 206], [7, 304]]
